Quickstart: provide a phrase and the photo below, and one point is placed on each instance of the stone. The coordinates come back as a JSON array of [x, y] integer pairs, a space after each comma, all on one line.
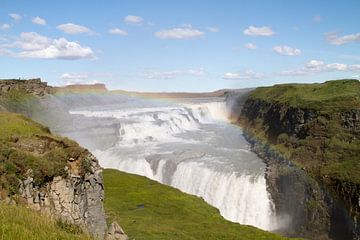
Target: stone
[[115, 232], [74, 199]]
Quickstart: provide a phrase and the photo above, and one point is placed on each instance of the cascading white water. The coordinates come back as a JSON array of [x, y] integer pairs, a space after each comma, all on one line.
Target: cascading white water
[[191, 146]]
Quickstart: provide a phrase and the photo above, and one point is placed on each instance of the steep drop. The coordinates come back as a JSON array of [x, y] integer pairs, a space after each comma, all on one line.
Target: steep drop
[[190, 146]]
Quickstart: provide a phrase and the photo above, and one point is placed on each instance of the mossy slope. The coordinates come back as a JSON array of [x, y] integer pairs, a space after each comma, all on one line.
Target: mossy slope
[[149, 210], [316, 127], [24, 145], [17, 222]]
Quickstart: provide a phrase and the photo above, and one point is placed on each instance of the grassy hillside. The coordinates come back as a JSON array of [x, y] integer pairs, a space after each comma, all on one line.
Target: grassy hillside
[[316, 127], [325, 97], [326, 146], [149, 210], [25, 144], [17, 222]]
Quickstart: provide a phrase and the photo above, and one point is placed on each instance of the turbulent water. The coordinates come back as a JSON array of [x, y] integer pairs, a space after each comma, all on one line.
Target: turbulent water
[[191, 146]]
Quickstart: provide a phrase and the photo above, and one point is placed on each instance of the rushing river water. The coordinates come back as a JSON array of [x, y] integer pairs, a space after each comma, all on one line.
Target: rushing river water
[[191, 146]]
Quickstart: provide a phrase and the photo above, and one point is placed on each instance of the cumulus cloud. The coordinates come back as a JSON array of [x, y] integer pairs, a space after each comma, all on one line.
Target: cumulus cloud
[[173, 74], [34, 45], [71, 28], [250, 46], [118, 31], [74, 76], [15, 16], [213, 29], [248, 74], [134, 20], [337, 67], [333, 38], [183, 32], [197, 72], [286, 50], [317, 66], [259, 31], [355, 68], [5, 26], [38, 20]]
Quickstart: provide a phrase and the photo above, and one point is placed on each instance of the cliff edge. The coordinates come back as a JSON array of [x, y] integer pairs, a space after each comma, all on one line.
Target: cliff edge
[[309, 136]]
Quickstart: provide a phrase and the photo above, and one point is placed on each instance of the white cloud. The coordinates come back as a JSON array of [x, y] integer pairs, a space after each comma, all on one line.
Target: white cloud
[[259, 31], [317, 66], [34, 45], [183, 32], [118, 31], [74, 76], [355, 68], [197, 72], [337, 67], [5, 26], [317, 19], [15, 16], [135, 20], [38, 20], [71, 28], [248, 74], [213, 29], [333, 38], [173, 74], [286, 50], [250, 46], [160, 75]]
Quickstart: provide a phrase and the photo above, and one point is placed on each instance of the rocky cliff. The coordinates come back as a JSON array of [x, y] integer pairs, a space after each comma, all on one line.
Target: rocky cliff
[[309, 137], [50, 174], [74, 199], [33, 86]]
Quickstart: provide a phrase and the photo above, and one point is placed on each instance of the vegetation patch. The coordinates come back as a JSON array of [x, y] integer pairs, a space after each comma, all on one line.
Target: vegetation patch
[[149, 210], [316, 127], [24, 145], [17, 222]]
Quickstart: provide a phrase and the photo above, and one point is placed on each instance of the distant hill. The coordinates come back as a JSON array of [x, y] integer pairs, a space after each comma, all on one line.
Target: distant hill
[[82, 88]]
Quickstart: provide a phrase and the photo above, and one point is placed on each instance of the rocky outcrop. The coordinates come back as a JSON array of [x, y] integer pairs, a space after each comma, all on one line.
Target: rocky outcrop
[[74, 199], [32, 86], [308, 209], [295, 144], [115, 232]]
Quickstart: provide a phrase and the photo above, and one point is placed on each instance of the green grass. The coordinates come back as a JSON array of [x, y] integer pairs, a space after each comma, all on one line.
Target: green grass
[[24, 145], [149, 210], [328, 149], [20, 102], [340, 94], [17, 222]]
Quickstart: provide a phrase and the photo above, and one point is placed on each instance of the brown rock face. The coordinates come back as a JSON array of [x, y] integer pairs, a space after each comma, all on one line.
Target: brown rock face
[[32, 86]]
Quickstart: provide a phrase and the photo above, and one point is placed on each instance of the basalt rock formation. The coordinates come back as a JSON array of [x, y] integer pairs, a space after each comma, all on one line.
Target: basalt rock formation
[[309, 137], [48, 173]]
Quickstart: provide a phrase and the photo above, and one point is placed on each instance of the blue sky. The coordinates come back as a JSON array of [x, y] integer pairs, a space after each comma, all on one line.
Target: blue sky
[[180, 45]]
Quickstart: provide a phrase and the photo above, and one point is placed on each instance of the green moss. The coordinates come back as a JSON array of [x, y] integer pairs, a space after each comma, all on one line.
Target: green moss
[[24, 145], [328, 148], [20, 102], [17, 222], [338, 94], [149, 210]]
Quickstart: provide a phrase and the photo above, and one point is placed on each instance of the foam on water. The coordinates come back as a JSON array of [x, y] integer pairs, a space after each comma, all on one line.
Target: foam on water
[[192, 147]]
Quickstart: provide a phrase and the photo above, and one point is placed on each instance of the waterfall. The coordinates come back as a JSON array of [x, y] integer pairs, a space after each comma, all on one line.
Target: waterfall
[[192, 147]]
